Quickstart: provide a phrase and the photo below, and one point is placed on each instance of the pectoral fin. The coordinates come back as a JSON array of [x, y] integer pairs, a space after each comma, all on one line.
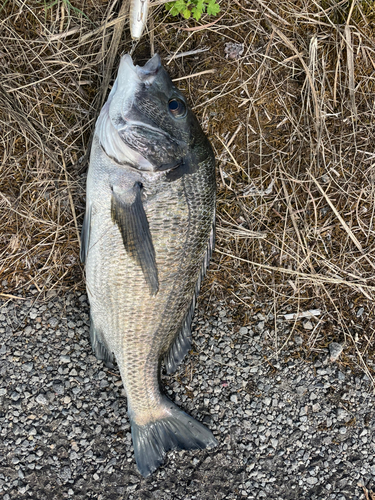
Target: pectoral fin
[[129, 215]]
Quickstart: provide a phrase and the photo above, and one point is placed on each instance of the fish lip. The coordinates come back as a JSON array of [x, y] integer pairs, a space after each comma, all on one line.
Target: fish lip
[[150, 69], [146, 74]]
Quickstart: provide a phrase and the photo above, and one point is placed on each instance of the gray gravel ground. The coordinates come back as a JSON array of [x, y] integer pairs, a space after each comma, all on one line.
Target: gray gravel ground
[[287, 428]]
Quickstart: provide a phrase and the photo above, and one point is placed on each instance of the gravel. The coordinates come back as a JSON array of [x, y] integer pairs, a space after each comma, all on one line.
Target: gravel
[[288, 428]]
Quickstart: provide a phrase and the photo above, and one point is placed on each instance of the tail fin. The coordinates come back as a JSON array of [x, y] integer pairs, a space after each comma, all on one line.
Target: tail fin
[[177, 431]]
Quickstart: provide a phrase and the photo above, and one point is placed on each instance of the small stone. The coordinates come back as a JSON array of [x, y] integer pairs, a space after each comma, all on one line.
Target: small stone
[[335, 349], [233, 50], [41, 399], [243, 330], [303, 411], [341, 413], [3, 391], [308, 325], [311, 480], [360, 312], [75, 446], [15, 396], [65, 473], [233, 398], [300, 390], [53, 322], [27, 367], [58, 387], [64, 359]]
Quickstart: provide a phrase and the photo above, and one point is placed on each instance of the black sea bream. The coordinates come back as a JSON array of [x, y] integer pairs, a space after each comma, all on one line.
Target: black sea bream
[[147, 238]]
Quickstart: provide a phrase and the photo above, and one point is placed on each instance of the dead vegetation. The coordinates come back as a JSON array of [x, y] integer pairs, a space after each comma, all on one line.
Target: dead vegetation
[[289, 106]]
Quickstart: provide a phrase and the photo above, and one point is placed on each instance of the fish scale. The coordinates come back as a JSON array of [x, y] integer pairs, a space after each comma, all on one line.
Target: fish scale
[[146, 241]]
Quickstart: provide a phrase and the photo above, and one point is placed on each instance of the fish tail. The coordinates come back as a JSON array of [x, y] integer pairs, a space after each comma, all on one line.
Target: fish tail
[[175, 431]]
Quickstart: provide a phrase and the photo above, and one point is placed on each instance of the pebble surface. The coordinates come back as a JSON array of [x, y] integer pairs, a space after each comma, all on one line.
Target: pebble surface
[[287, 428]]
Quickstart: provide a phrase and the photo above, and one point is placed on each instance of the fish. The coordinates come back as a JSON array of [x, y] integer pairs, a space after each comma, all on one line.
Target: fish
[[138, 17], [146, 241]]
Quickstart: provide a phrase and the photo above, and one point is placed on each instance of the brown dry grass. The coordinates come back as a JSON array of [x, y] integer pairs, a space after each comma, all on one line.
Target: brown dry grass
[[291, 122]]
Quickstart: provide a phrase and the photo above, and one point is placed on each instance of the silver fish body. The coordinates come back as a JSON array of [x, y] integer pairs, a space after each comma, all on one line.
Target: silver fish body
[[147, 238]]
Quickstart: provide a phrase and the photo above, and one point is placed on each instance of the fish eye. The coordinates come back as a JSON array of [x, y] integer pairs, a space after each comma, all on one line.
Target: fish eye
[[177, 108]]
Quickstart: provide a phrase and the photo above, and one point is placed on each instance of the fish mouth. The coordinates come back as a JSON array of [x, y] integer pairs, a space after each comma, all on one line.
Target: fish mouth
[[145, 74]]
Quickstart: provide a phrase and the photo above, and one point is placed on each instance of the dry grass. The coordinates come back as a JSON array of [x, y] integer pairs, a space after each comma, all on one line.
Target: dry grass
[[291, 120]]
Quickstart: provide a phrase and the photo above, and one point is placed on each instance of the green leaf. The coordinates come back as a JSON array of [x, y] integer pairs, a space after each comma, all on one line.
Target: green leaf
[[178, 7], [197, 13], [200, 5], [213, 8], [174, 11], [195, 8]]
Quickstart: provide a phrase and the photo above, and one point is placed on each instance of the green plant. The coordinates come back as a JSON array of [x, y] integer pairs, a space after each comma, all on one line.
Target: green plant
[[195, 8], [68, 6]]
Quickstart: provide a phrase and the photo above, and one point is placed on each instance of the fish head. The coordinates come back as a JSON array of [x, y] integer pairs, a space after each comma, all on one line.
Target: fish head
[[147, 122]]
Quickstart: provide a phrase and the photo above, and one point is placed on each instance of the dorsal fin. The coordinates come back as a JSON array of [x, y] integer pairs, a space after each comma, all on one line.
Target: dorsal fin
[[182, 343]]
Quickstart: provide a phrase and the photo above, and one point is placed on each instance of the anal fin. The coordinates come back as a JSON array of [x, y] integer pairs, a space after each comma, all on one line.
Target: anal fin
[[85, 234], [99, 346]]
